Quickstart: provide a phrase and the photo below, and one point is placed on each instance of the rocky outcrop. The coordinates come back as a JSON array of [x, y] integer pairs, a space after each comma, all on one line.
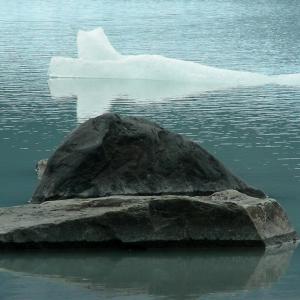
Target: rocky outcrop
[[128, 182], [223, 218], [110, 155]]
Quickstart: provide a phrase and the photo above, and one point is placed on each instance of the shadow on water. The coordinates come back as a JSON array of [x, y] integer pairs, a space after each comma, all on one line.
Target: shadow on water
[[169, 273]]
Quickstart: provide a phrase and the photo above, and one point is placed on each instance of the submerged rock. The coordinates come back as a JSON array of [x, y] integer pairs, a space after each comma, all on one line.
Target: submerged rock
[[113, 155], [223, 218]]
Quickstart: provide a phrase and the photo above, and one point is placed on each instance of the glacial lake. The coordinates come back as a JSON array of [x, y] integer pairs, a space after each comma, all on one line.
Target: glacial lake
[[253, 130]]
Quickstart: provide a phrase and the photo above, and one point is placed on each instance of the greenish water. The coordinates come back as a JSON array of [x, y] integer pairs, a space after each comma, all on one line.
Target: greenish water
[[254, 131], [182, 274]]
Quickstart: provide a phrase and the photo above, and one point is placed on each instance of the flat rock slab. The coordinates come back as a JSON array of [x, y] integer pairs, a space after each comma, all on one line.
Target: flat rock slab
[[223, 218]]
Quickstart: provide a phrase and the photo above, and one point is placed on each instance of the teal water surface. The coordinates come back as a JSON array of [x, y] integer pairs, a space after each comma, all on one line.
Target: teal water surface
[[254, 131]]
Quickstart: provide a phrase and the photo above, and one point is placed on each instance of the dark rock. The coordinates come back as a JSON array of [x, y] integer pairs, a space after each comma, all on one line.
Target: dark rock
[[110, 155], [225, 218]]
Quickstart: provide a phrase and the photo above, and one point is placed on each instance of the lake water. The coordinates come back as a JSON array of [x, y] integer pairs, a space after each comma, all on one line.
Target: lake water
[[254, 131]]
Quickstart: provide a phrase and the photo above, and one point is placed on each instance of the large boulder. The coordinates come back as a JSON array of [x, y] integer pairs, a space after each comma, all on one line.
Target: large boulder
[[223, 218], [113, 155]]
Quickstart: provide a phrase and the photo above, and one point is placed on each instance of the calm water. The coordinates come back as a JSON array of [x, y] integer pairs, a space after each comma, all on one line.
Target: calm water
[[254, 131]]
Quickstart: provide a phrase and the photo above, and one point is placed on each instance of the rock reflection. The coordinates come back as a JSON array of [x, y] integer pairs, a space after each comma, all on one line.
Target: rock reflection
[[169, 273]]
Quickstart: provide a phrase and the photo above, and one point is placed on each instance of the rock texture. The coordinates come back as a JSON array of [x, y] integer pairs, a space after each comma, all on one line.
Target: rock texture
[[223, 218], [110, 155]]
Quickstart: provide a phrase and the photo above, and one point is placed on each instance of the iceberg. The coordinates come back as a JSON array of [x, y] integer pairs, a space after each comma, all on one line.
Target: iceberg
[[97, 58]]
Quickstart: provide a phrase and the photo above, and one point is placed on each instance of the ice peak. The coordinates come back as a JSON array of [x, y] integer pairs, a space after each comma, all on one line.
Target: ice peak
[[94, 45]]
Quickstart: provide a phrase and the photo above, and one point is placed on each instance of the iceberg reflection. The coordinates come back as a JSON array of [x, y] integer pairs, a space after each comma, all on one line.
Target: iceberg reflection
[[95, 95]]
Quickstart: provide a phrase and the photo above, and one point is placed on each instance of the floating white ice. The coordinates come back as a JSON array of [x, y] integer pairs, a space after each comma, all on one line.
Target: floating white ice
[[97, 58]]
